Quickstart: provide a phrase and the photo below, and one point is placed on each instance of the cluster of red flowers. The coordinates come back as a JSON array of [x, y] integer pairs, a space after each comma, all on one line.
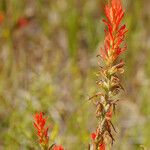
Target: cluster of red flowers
[[113, 44], [42, 131]]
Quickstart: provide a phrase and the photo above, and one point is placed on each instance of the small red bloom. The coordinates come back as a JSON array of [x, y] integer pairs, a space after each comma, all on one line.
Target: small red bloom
[[42, 131], [102, 146], [109, 114], [22, 22], [58, 147], [93, 136], [114, 31], [1, 17]]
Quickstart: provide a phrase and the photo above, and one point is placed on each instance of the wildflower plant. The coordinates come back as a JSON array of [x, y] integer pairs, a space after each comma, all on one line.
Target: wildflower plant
[[110, 68], [42, 133]]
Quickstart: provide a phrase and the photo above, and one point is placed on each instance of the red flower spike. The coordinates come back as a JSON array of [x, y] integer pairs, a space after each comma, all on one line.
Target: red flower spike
[[39, 125], [58, 147], [114, 32]]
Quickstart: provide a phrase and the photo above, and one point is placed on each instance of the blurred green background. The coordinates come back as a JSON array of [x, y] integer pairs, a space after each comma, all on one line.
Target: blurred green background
[[48, 63]]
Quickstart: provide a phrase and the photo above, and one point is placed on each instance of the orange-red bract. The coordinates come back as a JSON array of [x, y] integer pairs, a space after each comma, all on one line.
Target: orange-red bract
[[42, 131], [114, 32]]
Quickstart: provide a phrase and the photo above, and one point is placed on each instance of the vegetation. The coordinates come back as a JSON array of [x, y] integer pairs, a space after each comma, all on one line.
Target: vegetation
[[48, 63]]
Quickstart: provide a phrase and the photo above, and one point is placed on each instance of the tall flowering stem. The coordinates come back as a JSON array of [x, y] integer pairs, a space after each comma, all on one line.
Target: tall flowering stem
[[111, 67]]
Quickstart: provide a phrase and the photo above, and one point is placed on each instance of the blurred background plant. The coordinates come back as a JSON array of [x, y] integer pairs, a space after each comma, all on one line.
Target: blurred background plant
[[48, 63]]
